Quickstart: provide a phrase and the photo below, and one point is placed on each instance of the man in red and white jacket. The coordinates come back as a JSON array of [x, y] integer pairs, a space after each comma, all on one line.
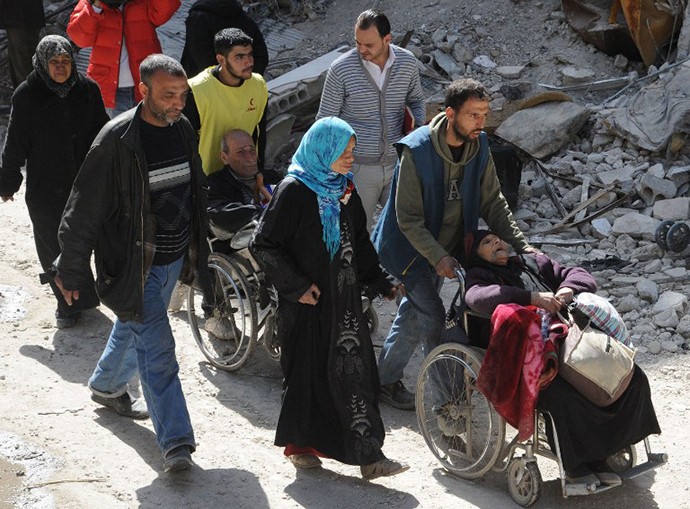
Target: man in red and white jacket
[[122, 34]]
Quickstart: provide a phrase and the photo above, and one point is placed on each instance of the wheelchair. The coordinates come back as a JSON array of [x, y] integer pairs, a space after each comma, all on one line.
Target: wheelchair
[[243, 301], [469, 438]]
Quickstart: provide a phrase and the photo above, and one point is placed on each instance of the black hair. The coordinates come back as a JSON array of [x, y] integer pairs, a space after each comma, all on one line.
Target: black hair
[[463, 89], [228, 38], [375, 18], [158, 62]]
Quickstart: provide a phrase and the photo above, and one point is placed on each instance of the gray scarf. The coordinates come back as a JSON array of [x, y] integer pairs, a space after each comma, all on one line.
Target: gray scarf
[[49, 47]]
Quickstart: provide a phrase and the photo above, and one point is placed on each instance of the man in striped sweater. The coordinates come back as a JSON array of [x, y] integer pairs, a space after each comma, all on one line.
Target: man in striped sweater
[[369, 87]]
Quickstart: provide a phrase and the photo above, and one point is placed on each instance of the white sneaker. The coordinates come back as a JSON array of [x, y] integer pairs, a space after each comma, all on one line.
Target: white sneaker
[[178, 298], [222, 328]]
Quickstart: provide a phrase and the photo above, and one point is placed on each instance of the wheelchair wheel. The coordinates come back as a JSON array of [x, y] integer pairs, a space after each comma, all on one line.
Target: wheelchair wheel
[[270, 338], [370, 315], [661, 232], [524, 481], [226, 346], [623, 460], [457, 422], [678, 237]]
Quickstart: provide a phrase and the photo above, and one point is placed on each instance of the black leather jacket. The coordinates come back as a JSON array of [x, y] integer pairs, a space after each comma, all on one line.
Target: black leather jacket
[[108, 212]]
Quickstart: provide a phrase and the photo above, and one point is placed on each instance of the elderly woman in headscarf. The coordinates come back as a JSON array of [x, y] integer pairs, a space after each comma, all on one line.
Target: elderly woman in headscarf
[[56, 114], [312, 243], [587, 434]]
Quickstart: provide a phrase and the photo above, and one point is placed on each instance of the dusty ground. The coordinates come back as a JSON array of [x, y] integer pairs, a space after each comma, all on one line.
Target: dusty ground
[[51, 431]]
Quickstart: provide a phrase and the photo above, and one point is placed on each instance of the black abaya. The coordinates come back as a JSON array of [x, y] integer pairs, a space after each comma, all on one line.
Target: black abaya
[[331, 387]]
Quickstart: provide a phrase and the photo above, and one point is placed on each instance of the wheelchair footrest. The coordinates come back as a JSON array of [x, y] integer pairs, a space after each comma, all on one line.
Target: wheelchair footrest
[[641, 469]]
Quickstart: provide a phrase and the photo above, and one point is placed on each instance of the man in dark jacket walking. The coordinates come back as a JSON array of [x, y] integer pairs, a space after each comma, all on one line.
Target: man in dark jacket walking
[[22, 21], [208, 17], [139, 202]]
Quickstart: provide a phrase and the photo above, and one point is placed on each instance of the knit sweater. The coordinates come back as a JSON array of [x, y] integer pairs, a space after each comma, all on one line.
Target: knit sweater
[[376, 115]]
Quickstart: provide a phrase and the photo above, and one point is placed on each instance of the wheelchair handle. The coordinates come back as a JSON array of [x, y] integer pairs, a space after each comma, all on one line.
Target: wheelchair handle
[[461, 278]]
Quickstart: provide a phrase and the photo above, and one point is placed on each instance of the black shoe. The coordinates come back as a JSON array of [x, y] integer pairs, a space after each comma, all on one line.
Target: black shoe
[[124, 405], [63, 321], [180, 458], [397, 396]]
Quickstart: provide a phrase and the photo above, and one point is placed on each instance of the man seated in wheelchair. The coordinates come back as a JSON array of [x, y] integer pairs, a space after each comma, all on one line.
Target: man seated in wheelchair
[[542, 288], [238, 193]]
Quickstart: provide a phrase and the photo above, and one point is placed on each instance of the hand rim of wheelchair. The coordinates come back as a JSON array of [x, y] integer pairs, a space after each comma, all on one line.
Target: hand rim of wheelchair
[[469, 464], [235, 280]]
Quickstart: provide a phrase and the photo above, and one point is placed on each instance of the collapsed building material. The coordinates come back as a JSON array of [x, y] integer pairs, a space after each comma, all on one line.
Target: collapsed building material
[[655, 113], [652, 188], [552, 125], [278, 132], [300, 87], [550, 190]]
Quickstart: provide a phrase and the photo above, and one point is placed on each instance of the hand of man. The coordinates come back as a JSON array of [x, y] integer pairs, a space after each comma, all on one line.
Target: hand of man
[[565, 295], [446, 267], [311, 296], [390, 296], [261, 195], [547, 301], [69, 295], [7, 198]]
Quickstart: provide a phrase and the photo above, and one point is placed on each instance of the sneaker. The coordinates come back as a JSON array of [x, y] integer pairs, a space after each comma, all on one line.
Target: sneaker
[[382, 468], [178, 459], [305, 460], [397, 396], [178, 298], [124, 405], [63, 321], [221, 328]]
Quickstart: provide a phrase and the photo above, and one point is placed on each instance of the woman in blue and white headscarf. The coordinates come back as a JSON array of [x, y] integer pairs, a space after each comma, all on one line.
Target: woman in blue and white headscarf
[[312, 243]]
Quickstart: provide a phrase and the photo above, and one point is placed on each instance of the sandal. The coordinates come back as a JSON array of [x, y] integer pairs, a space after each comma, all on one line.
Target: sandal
[[382, 468], [305, 460]]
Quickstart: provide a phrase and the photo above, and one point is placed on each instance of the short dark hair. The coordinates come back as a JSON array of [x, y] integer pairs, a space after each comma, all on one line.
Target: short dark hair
[[463, 89], [228, 38], [158, 62], [373, 17]]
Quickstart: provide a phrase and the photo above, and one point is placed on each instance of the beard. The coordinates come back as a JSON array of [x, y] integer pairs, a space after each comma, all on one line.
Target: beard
[[169, 116], [466, 137]]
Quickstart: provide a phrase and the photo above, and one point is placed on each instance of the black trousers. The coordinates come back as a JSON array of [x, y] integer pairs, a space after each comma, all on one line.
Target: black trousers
[[21, 46]]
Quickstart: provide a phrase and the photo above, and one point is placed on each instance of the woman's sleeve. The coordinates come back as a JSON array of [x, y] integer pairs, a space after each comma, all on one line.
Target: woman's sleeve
[[270, 243], [17, 146], [484, 294], [559, 276], [369, 271]]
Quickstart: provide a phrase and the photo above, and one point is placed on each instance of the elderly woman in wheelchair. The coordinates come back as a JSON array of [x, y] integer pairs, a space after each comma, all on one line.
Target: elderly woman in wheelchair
[[465, 394]]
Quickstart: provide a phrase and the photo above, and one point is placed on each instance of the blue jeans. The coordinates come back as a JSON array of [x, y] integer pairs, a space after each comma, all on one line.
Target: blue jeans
[[124, 100], [420, 318], [149, 347]]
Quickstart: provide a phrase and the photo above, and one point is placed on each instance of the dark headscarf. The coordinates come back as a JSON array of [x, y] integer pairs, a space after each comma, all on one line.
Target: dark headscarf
[[50, 47], [519, 271]]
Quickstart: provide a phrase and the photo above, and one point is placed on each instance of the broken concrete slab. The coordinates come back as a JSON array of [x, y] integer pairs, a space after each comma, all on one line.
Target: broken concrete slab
[[636, 225], [571, 75], [552, 125], [447, 63], [510, 71], [278, 132], [676, 209], [484, 61], [300, 86], [601, 228], [672, 300], [648, 290], [652, 188], [623, 175]]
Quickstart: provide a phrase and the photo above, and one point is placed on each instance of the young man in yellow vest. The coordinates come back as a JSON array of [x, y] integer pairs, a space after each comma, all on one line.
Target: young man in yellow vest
[[226, 97]]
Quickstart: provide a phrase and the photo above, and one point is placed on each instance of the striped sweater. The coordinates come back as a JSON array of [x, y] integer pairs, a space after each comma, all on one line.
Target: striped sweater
[[376, 115]]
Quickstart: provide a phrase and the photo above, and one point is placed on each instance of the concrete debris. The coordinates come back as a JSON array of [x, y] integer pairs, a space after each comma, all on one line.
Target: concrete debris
[[652, 188], [676, 209], [573, 75], [553, 125], [636, 225]]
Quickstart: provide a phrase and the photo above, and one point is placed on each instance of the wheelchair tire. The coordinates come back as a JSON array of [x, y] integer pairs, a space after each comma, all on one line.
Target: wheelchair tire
[[524, 482], [458, 423], [371, 316], [623, 460], [234, 304], [270, 339], [660, 234]]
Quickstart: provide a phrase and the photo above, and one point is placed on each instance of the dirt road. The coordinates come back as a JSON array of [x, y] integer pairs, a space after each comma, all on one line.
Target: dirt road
[[71, 453]]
